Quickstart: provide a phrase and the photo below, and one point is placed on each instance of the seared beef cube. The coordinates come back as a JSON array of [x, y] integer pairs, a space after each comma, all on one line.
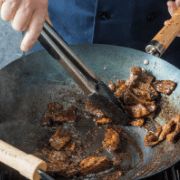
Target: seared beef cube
[[112, 86], [111, 140], [135, 73], [151, 139], [165, 86], [103, 120], [120, 90], [138, 122], [93, 110], [59, 140], [94, 164], [54, 156], [113, 176], [137, 111], [66, 115]]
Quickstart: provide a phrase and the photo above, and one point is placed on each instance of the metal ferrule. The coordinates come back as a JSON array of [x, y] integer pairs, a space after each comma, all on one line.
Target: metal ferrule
[[155, 48]]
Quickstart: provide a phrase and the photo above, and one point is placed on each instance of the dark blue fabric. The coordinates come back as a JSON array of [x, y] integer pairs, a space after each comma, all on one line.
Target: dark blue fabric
[[130, 23]]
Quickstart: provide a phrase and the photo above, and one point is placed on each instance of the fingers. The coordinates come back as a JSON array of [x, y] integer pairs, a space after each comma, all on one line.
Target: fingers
[[171, 7], [178, 3], [8, 9], [23, 16], [34, 29]]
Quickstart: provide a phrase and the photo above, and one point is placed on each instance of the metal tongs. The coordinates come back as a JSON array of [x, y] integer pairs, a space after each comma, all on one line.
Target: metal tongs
[[96, 90]]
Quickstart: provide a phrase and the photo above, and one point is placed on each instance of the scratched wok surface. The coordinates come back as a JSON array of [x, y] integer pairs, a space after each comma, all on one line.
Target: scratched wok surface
[[28, 84]]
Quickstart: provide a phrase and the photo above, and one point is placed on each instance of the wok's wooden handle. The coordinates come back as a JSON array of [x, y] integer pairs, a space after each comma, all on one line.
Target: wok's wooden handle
[[166, 35], [25, 164]]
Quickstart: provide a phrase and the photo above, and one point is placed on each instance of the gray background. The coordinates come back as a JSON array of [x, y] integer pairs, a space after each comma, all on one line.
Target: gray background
[[9, 44]]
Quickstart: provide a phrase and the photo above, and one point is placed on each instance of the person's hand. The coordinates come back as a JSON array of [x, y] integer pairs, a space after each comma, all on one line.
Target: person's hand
[[172, 7], [25, 15]]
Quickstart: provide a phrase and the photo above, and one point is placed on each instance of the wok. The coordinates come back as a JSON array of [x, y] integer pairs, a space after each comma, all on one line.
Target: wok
[[30, 83]]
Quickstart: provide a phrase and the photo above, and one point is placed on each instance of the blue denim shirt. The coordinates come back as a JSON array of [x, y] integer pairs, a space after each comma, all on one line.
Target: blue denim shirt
[[130, 23]]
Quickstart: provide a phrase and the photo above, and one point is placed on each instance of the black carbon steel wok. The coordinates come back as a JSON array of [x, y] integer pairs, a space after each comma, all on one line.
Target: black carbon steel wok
[[28, 84]]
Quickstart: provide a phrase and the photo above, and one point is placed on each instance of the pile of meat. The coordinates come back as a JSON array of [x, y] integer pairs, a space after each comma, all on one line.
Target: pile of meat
[[65, 153], [140, 95]]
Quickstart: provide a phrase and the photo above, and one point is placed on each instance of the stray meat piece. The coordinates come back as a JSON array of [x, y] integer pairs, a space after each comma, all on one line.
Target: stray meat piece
[[151, 139], [138, 122], [103, 120], [135, 73], [113, 176], [56, 113], [94, 164], [111, 140], [137, 111], [59, 140], [165, 86], [93, 110], [170, 131], [112, 86]]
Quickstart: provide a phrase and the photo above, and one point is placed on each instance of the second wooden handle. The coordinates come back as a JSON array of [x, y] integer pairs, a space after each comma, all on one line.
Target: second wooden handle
[[25, 164], [168, 33]]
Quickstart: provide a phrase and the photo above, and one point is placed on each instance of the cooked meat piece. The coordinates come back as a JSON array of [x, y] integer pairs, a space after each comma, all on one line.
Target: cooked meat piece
[[111, 140], [57, 156], [151, 106], [165, 86], [103, 120], [135, 73], [137, 111], [166, 129], [174, 135], [57, 114], [59, 140], [145, 91], [146, 77], [66, 115], [93, 110], [64, 168], [55, 107], [151, 139], [113, 176], [94, 164], [137, 122], [120, 83], [120, 90], [112, 86], [170, 131]]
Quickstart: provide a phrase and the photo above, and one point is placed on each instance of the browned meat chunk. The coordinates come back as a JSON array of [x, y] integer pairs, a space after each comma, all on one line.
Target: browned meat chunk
[[120, 90], [57, 114], [170, 131], [111, 140], [94, 164], [165, 86], [112, 86], [113, 176], [59, 140], [151, 139], [135, 73], [137, 122], [93, 110], [137, 111], [54, 156], [103, 120]]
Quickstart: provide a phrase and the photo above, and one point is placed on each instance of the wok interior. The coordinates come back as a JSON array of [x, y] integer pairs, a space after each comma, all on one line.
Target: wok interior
[[29, 84]]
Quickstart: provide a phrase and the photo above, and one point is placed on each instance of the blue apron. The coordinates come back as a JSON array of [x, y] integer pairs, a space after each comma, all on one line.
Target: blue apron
[[130, 23]]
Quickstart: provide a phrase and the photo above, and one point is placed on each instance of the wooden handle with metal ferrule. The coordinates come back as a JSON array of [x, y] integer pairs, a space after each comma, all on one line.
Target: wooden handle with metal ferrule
[[166, 35], [26, 164]]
